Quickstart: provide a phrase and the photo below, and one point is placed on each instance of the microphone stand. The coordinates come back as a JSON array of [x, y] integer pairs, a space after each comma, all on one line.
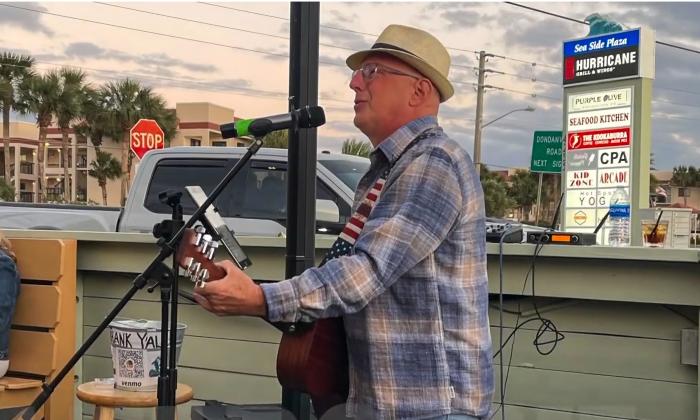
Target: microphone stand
[[166, 278]]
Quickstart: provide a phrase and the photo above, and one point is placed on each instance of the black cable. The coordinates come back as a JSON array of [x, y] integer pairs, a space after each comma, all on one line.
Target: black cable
[[546, 325]]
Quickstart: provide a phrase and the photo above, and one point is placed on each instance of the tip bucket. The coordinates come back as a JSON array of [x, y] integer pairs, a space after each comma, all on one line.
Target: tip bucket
[[135, 347]]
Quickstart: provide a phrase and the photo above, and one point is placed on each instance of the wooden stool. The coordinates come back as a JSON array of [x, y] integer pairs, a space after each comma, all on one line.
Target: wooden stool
[[106, 398]]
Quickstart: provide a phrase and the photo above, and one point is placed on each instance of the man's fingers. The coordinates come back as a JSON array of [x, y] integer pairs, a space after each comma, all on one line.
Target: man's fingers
[[202, 301], [228, 266]]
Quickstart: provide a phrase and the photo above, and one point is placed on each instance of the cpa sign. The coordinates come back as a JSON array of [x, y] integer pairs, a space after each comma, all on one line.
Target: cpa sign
[[145, 135]]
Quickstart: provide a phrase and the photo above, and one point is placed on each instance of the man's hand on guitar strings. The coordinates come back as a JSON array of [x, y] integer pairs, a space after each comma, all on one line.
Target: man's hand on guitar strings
[[234, 294]]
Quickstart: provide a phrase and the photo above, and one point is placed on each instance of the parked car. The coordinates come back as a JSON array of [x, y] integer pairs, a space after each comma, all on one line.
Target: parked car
[[254, 202]]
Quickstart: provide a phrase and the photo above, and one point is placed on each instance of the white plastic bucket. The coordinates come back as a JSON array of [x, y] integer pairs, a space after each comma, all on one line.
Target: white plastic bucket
[[135, 347]]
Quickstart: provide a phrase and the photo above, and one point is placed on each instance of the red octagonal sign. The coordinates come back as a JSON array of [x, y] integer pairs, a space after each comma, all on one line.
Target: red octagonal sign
[[145, 135]]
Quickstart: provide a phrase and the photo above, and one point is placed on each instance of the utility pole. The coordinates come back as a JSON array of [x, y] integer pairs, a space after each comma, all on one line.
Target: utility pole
[[479, 112]]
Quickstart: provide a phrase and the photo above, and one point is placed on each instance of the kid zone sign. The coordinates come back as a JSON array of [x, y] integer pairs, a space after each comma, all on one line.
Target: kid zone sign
[[607, 57]]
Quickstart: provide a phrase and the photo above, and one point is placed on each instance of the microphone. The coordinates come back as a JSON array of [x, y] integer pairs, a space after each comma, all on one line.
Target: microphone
[[306, 117]]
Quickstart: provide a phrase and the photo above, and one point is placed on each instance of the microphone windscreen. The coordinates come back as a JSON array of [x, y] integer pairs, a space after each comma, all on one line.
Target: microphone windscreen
[[311, 117], [228, 130]]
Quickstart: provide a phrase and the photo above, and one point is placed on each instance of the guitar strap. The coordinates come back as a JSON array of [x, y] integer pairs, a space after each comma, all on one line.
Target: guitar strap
[[347, 238]]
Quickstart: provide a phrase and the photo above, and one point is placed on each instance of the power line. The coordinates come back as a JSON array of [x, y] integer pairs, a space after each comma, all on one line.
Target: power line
[[361, 33], [173, 36], [148, 32], [254, 92], [666, 44], [242, 10], [546, 13], [532, 94], [280, 94], [518, 76], [689, 92], [238, 29], [662, 101], [213, 24]]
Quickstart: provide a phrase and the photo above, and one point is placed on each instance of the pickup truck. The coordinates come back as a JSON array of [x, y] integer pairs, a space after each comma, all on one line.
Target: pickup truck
[[254, 202]]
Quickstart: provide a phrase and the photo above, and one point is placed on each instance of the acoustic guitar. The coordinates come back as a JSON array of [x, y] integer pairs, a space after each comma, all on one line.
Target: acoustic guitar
[[312, 358]]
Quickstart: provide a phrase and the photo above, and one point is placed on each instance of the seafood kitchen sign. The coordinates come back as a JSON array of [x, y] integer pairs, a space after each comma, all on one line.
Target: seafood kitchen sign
[[601, 88]]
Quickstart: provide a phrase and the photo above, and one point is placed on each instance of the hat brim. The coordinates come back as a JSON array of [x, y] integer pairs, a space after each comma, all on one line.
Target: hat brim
[[354, 61]]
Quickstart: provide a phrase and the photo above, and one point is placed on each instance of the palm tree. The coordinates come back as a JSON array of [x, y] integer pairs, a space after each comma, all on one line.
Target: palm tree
[[94, 120], [14, 70], [523, 190], [357, 148], [68, 109], [277, 139], [7, 192], [126, 102], [104, 167], [41, 96], [496, 199], [683, 177]]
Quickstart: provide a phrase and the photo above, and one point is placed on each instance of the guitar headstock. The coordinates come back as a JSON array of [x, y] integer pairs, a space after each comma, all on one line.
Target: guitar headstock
[[196, 256]]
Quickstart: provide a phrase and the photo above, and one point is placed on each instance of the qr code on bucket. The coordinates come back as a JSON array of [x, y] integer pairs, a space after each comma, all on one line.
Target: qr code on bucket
[[130, 363]]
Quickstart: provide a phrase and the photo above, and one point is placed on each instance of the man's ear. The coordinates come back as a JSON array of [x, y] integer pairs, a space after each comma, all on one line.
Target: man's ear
[[423, 92]]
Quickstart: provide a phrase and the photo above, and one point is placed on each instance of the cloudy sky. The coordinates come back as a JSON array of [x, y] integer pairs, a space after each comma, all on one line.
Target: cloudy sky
[[236, 54]]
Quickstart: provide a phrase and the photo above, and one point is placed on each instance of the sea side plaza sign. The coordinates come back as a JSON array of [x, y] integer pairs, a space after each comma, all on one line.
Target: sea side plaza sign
[[607, 57], [605, 128]]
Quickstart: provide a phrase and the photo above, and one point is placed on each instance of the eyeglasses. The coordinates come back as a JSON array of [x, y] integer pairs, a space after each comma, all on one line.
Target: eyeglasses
[[369, 71]]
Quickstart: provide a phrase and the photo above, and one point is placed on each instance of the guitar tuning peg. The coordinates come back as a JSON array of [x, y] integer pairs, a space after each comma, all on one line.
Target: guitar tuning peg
[[212, 249], [188, 264], [202, 278], [193, 270], [206, 241], [200, 230]]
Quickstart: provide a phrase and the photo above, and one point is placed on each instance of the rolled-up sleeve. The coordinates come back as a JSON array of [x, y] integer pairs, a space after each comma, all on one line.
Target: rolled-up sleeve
[[418, 206]]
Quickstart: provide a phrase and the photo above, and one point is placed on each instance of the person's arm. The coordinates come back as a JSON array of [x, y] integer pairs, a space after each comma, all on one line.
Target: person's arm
[[9, 289], [414, 215]]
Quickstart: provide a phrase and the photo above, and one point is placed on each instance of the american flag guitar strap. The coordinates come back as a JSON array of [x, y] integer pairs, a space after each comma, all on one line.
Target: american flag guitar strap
[[347, 238]]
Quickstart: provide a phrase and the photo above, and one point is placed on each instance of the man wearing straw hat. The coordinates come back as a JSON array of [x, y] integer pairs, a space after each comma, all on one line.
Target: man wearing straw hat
[[408, 273]]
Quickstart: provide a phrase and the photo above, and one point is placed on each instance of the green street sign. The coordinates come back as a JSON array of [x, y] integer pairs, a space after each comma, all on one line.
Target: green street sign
[[546, 152]]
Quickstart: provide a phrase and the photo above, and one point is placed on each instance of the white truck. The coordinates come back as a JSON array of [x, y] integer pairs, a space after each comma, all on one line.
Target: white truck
[[254, 202]]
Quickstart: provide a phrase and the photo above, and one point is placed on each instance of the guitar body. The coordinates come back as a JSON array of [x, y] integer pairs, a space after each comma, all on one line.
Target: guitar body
[[315, 361]]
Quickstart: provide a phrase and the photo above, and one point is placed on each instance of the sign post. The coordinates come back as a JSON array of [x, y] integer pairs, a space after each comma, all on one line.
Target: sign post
[[145, 135], [547, 149], [607, 127]]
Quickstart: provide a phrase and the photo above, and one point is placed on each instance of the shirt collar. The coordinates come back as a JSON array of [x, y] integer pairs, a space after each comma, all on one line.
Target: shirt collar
[[394, 145]]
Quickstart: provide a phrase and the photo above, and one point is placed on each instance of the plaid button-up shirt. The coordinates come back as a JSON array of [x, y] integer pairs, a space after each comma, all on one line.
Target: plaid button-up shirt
[[413, 294]]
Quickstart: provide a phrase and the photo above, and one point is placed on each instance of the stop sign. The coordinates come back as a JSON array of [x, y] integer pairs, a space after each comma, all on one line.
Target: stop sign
[[145, 135]]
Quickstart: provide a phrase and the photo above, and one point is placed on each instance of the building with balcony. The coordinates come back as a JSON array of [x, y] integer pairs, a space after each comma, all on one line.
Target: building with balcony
[[198, 125]]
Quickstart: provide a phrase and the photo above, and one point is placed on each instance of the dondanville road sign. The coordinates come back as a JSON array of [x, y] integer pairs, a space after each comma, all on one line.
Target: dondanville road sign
[[145, 135], [546, 152]]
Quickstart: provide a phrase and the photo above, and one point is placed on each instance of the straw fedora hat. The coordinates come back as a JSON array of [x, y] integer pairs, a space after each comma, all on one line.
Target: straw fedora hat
[[416, 48]]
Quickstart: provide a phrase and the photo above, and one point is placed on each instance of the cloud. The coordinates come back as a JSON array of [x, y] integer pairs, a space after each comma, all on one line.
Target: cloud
[[339, 17], [347, 41], [457, 16], [88, 51], [25, 19], [664, 18]]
